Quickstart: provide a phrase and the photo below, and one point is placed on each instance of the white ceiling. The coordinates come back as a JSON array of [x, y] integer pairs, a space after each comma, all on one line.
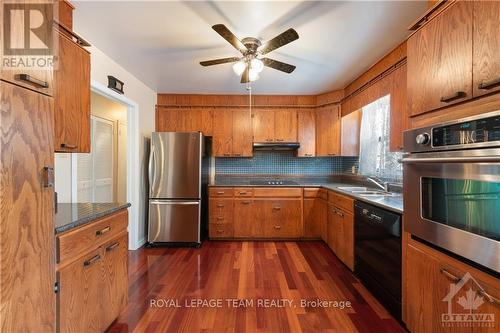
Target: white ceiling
[[162, 42]]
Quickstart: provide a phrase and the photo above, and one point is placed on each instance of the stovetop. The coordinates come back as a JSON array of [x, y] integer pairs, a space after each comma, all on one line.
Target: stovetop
[[273, 182]]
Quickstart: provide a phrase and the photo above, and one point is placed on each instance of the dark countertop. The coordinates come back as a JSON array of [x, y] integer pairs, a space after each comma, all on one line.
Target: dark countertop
[[72, 215], [392, 203]]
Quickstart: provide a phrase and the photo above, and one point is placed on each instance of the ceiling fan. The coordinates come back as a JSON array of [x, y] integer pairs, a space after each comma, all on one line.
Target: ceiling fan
[[249, 65]]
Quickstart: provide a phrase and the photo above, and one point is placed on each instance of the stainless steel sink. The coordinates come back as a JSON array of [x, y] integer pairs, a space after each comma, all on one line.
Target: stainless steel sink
[[376, 194], [352, 188]]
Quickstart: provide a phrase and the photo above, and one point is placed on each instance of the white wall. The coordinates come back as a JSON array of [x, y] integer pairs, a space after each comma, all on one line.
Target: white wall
[[138, 92]]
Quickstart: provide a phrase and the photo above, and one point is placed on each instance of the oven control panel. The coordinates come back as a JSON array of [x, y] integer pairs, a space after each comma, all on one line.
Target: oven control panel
[[474, 132]]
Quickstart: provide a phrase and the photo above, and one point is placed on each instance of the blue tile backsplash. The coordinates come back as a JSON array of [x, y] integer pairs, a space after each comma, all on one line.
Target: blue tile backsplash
[[284, 163]]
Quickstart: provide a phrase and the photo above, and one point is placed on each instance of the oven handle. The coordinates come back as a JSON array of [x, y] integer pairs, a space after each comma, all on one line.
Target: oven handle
[[471, 159]]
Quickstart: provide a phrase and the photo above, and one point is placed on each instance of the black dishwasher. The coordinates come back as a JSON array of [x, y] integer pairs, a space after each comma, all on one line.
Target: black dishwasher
[[377, 250]]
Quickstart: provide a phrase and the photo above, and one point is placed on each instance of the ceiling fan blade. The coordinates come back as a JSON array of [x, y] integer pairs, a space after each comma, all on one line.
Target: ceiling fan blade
[[219, 61], [244, 77], [282, 39], [281, 66], [222, 30]]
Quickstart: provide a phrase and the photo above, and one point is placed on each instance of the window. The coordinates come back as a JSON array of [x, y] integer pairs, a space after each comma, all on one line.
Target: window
[[375, 159]]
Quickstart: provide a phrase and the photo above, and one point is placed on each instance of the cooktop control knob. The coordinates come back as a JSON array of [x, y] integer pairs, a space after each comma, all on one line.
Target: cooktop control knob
[[423, 139]]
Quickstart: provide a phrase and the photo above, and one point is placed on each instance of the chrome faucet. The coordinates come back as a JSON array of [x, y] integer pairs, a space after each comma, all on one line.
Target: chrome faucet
[[380, 184]]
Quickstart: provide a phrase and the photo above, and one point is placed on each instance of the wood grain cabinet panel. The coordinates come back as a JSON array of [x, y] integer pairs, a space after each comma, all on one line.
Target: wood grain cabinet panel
[[399, 110], [72, 97], [284, 218], [486, 45], [285, 125], [440, 60], [115, 289], [223, 133], [27, 214], [80, 306], [331, 228], [328, 131], [306, 133], [315, 216], [263, 125], [350, 128], [242, 133], [221, 210], [248, 218], [169, 119]]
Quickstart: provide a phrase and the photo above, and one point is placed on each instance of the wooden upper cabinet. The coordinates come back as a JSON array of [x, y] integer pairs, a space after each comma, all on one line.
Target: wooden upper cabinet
[[223, 133], [399, 111], [285, 125], [72, 98], [350, 127], [486, 43], [242, 133], [263, 125], [169, 119], [196, 119], [440, 60], [328, 131], [306, 133]]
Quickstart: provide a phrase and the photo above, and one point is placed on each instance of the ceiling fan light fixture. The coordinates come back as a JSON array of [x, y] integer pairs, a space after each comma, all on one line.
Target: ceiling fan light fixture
[[256, 65], [253, 75], [239, 67]]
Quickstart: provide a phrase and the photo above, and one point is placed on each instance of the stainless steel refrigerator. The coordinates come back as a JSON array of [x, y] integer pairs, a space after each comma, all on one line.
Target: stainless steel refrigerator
[[178, 179]]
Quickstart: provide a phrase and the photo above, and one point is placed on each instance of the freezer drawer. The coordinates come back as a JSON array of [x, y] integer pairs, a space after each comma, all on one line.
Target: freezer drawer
[[174, 221]]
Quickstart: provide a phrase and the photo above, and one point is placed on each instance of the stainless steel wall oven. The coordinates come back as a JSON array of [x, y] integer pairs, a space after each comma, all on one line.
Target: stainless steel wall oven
[[452, 187]]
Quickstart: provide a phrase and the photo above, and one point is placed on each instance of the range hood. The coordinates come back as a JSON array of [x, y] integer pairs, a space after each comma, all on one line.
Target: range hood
[[276, 145]]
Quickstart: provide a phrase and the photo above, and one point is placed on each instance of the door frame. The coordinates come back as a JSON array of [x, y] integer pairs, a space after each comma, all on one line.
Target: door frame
[[133, 164]]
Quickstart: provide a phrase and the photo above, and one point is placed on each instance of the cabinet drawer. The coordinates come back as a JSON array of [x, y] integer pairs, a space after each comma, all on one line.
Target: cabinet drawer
[[284, 218], [221, 192], [220, 230], [341, 201], [75, 242], [221, 210], [243, 192], [272, 192], [38, 80], [311, 192]]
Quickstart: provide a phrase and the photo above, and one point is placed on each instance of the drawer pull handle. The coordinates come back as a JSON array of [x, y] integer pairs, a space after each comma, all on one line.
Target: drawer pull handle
[[219, 218], [277, 227], [269, 140], [102, 231], [33, 80], [226, 154], [92, 260], [450, 276], [246, 202], [490, 84], [277, 208], [112, 246], [220, 205], [490, 298], [331, 154], [308, 155], [455, 96], [68, 146], [280, 140], [220, 231], [220, 192], [243, 193], [238, 155]]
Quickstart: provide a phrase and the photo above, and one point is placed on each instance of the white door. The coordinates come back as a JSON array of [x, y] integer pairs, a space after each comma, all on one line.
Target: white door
[[95, 170]]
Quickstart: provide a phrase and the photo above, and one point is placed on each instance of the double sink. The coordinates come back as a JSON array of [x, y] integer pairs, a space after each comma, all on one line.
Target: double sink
[[365, 192]]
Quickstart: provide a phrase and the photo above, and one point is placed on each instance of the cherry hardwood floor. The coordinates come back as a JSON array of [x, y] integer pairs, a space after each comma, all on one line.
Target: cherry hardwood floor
[[268, 281]]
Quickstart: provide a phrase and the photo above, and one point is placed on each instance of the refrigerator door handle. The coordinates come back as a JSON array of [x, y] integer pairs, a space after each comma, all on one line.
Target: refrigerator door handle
[[151, 169], [176, 202]]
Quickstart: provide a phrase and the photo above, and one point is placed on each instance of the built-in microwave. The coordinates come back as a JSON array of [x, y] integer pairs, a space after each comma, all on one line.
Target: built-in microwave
[[452, 187]]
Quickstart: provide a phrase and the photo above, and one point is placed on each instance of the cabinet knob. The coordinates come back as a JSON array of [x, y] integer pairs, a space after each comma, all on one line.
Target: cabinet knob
[[220, 231], [246, 202], [277, 227], [237, 155], [220, 205], [220, 218], [277, 208], [308, 155]]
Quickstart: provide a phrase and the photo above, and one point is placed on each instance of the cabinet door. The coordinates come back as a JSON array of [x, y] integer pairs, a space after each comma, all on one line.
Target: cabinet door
[[80, 295], [350, 127], [115, 291], [346, 245], [193, 118], [263, 125], [72, 98], [247, 218], [331, 228], [486, 45], [490, 293], [27, 214], [314, 218], [169, 119], [285, 125], [207, 121], [242, 133], [328, 131], [399, 113], [440, 60], [285, 218], [306, 127], [223, 133]]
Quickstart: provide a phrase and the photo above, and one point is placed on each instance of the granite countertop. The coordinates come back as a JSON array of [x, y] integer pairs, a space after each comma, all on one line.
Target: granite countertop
[[392, 203], [72, 215]]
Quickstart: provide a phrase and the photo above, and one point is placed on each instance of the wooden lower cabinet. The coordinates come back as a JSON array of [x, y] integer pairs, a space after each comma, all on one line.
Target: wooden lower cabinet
[[283, 218], [340, 230], [438, 286], [221, 219], [93, 286], [247, 222], [315, 216]]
